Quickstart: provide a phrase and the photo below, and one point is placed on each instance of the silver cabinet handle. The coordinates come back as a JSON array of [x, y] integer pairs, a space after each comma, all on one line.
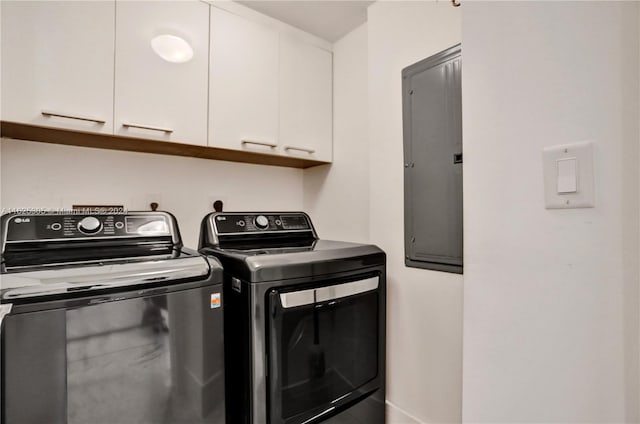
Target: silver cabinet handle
[[148, 127], [76, 117], [259, 143], [301, 149]]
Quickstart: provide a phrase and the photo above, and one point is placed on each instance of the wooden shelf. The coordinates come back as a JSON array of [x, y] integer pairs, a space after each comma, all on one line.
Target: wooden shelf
[[28, 132]]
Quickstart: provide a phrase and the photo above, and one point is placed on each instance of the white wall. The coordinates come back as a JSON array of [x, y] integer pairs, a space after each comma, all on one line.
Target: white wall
[[424, 344], [54, 176], [336, 196], [551, 296], [360, 198]]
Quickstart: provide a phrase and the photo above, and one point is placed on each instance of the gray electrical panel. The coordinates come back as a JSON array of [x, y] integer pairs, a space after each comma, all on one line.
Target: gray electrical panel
[[432, 126]]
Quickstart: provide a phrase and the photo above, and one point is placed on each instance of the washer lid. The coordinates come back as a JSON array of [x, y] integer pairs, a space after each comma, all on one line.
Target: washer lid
[[88, 278]]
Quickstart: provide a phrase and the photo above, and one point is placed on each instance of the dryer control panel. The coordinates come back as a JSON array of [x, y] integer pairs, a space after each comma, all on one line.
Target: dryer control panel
[[244, 223]]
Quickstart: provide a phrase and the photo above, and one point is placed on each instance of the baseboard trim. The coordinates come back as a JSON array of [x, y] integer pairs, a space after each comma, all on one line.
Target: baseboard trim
[[401, 411]]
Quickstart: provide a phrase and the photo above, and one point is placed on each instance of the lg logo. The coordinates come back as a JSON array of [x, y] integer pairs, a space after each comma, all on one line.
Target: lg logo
[[21, 220]]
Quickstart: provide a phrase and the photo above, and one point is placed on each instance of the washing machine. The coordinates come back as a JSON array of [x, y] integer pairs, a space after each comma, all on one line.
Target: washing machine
[[107, 318], [304, 321]]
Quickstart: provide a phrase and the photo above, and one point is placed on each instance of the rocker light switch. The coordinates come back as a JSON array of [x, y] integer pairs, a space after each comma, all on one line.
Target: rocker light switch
[[567, 175]]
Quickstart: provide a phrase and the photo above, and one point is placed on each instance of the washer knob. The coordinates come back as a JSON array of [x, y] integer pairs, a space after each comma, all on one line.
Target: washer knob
[[262, 222], [89, 225]]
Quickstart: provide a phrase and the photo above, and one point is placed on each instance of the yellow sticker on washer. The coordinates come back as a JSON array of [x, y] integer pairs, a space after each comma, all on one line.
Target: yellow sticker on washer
[[215, 300]]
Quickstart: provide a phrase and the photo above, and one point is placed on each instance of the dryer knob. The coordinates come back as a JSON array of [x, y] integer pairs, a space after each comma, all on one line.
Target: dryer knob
[[262, 222], [89, 225]]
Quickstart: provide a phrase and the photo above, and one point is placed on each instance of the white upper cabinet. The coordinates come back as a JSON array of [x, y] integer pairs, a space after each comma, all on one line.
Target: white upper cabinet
[[243, 97], [184, 71], [306, 104], [156, 98], [57, 63]]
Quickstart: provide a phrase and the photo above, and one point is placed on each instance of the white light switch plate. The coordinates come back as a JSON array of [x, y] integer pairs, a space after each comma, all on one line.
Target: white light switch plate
[[584, 194]]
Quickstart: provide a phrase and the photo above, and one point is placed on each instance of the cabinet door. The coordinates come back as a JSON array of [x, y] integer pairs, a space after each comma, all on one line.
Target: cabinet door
[[57, 63], [155, 98], [305, 100], [243, 84]]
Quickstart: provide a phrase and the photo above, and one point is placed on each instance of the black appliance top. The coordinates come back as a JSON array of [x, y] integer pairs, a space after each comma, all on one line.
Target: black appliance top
[[272, 246], [56, 254]]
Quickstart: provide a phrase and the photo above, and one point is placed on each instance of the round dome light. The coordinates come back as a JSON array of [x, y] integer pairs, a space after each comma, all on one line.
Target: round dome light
[[172, 48]]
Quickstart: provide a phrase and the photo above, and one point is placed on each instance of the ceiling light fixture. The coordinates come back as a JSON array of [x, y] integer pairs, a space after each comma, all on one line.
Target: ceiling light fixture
[[172, 48]]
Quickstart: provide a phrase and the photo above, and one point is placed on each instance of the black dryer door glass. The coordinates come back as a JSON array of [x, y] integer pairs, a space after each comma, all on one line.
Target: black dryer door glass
[[322, 350]]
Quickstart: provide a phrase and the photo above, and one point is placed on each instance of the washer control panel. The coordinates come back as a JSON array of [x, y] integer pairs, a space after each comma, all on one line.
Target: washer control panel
[[45, 227], [242, 223]]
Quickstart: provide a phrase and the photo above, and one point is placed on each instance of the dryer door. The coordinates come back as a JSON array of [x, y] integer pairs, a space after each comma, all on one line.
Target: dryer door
[[323, 349]]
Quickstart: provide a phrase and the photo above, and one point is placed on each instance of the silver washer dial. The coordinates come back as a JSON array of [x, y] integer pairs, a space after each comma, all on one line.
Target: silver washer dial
[[89, 225], [262, 222]]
